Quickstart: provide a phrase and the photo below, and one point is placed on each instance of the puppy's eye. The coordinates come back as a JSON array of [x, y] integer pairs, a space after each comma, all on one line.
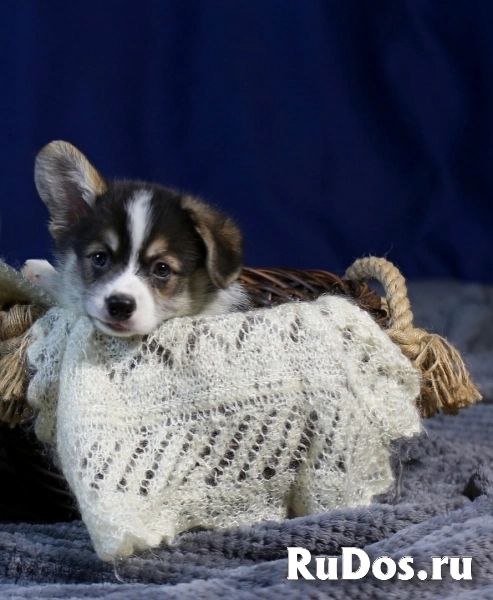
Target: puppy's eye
[[162, 270], [99, 259]]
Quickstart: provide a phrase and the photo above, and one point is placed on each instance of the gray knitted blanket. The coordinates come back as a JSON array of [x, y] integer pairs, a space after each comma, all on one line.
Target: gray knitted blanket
[[442, 505]]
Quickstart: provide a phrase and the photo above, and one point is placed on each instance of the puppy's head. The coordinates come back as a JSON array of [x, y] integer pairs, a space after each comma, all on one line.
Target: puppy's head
[[131, 254]]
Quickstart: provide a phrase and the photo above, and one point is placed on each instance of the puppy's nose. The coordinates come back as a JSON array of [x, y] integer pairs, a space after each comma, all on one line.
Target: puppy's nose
[[120, 306]]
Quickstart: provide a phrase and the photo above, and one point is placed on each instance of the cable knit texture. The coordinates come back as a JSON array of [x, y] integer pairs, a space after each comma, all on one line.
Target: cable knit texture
[[220, 421]]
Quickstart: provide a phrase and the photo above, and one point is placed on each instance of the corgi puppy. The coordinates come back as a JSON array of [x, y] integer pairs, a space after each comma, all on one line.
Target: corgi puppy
[[131, 255]]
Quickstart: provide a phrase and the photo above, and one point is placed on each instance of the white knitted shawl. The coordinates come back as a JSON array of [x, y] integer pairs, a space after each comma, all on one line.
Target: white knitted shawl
[[220, 421]]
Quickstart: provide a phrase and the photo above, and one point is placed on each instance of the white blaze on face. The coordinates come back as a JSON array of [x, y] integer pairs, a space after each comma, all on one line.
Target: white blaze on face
[[138, 218], [128, 282]]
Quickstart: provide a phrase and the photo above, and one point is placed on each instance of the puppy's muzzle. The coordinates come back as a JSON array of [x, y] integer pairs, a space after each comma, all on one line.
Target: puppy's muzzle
[[120, 307]]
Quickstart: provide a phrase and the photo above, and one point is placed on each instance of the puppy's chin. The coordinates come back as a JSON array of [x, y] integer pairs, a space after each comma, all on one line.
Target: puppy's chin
[[120, 330]]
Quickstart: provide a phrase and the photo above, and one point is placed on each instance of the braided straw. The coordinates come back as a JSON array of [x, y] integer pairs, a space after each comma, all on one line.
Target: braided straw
[[445, 382], [14, 377]]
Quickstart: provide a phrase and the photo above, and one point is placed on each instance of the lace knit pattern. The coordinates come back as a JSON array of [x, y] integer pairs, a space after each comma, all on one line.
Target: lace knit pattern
[[220, 421]]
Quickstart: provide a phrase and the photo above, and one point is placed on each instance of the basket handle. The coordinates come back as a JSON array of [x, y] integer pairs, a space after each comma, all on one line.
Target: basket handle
[[445, 381]]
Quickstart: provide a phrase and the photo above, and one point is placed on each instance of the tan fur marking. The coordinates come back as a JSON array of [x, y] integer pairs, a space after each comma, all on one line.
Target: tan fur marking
[[157, 247], [94, 247], [110, 238]]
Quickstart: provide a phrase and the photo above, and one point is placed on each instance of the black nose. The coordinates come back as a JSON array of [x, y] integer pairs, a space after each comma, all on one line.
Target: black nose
[[120, 306]]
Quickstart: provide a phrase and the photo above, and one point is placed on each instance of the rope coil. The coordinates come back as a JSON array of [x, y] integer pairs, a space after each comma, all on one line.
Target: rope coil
[[445, 382]]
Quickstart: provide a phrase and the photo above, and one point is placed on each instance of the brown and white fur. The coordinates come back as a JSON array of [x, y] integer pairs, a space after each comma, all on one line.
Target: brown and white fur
[[131, 255]]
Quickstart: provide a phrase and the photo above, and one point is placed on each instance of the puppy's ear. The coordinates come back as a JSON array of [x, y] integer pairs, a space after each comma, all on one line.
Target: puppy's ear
[[67, 183], [222, 240]]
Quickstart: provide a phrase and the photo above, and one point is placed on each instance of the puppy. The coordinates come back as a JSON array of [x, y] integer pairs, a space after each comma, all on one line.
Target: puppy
[[131, 255]]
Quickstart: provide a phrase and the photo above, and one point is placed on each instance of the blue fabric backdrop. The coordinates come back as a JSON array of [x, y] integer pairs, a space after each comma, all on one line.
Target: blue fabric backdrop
[[329, 129]]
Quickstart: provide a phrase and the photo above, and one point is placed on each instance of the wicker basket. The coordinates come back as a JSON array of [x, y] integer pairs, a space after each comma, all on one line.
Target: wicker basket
[[35, 491]]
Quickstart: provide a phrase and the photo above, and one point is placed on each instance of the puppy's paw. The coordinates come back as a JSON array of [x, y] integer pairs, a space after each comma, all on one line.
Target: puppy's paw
[[40, 272]]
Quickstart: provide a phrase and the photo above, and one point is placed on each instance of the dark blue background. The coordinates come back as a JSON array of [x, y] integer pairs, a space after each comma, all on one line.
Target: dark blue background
[[330, 129]]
